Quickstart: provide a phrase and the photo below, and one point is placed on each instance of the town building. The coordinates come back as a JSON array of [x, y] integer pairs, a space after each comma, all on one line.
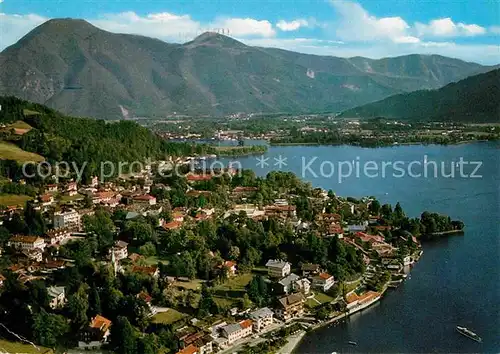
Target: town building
[[236, 331], [70, 220], [261, 319], [27, 243], [287, 284], [119, 250], [96, 334], [190, 349], [278, 268], [310, 269], [323, 281], [58, 236], [145, 199], [290, 306], [57, 296]]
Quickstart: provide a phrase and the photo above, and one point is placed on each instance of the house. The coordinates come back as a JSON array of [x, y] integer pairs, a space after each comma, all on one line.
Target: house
[[323, 281], [188, 336], [231, 268], [151, 271], [94, 182], [148, 300], [145, 199], [357, 227], [261, 319], [190, 349], [2, 279], [69, 220], [96, 334], [310, 269], [57, 296], [178, 215], [46, 199], [287, 284], [105, 197], [71, 188], [198, 178], [290, 307], [278, 268], [335, 229], [173, 225], [33, 255], [282, 211], [371, 239], [236, 331], [52, 188], [27, 243], [119, 250], [303, 285], [354, 300], [59, 236]]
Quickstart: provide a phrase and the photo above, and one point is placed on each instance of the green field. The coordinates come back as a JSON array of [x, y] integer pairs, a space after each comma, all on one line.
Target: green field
[[14, 199], [234, 287], [16, 347], [169, 317], [194, 284], [322, 297], [311, 303], [13, 152]]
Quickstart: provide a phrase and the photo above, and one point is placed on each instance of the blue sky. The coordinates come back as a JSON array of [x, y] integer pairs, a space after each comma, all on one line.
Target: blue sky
[[466, 29]]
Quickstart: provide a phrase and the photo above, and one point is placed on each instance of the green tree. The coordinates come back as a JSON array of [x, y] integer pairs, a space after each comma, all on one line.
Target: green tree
[[123, 336], [78, 305], [49, 329]]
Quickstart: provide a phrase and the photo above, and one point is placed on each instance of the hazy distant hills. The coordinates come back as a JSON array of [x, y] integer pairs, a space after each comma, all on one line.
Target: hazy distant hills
[[81, 70], [474, 99]]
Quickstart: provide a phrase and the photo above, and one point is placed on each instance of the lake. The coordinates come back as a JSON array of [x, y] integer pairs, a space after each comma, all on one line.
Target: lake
[[456, 281]]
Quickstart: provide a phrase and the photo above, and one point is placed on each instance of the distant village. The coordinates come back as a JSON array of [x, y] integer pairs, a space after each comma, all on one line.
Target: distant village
[[298, 296]]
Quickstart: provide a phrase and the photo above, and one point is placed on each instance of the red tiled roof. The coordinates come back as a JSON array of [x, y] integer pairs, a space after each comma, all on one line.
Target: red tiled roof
[[369, 238], [190, 349], [101, 323], [172, 225], [192, 177], [46, 198], [144, 197], [325, 276], [144, 270], [25, 239], [246, 323]]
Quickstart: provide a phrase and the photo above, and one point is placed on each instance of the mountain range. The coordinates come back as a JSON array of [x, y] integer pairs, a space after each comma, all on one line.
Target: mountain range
[[474, 99], [81, 70]]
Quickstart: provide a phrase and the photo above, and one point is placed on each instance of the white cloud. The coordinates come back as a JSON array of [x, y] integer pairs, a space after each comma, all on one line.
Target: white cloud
[[445, 27], [292, 25], [246, 27], [14, 27], [356, 24], [162, 25]]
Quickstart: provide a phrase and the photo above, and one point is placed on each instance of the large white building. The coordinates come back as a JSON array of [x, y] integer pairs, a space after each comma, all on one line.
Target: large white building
[[261, 318], [27, 243], [278, 268], [70, 220]]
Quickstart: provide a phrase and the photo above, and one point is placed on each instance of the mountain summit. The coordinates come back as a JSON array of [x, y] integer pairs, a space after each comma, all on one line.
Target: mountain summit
[[82, 70]]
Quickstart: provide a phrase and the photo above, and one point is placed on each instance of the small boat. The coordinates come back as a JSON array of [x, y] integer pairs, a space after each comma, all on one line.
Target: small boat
[[352, 343], [469, 334]]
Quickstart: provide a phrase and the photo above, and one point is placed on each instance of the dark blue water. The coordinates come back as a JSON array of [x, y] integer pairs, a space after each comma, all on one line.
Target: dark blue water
[[457, 280]]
